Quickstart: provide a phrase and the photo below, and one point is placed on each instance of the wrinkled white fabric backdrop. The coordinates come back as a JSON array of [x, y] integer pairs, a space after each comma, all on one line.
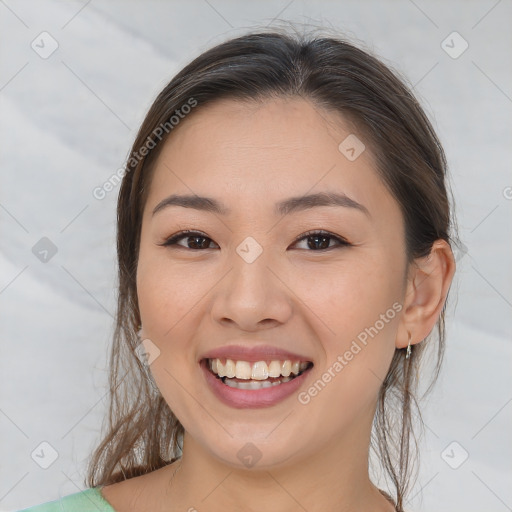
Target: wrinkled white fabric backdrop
[[67, 122]]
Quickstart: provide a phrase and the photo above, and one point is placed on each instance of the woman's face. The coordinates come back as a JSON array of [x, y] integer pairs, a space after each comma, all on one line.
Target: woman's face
[[251, 279]]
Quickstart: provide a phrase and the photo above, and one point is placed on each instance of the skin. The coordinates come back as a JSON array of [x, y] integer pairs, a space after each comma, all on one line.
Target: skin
[[294, 296]]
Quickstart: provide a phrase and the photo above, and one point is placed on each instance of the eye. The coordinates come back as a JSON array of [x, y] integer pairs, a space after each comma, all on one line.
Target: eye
[[321, 240], [195, 240]]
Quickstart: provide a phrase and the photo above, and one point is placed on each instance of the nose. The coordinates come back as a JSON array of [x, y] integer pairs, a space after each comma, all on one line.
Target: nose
[[252, 296]]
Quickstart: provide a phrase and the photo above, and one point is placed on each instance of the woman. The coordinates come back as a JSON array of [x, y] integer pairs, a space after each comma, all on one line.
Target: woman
[[284, 255]]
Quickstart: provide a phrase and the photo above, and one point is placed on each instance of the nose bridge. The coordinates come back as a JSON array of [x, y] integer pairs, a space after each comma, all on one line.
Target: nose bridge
[[251, 292]]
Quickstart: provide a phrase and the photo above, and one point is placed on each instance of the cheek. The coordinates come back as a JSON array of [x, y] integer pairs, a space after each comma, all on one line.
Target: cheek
[[166, 293], [358, 310], [348, 297], [167, 296]]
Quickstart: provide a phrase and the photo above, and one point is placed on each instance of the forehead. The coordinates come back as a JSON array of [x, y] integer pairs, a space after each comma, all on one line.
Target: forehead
[[248, 154]]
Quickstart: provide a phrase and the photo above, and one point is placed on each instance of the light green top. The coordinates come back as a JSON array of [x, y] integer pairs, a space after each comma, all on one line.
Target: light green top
[[89, 500]]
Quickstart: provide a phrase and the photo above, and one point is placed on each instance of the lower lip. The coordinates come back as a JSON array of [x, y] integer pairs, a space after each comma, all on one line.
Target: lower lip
[[251, 398]]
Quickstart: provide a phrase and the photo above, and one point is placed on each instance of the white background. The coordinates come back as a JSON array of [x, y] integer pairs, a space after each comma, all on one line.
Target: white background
[[67, 123]]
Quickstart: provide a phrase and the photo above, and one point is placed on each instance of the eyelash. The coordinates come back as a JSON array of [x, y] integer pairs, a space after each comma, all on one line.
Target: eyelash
[[189, 233]]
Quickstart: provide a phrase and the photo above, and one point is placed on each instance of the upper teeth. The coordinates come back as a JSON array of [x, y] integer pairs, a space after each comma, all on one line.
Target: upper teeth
[[259, 370]]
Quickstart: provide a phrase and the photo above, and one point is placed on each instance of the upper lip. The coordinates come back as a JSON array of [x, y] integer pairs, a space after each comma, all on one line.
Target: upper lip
[[253, 353]]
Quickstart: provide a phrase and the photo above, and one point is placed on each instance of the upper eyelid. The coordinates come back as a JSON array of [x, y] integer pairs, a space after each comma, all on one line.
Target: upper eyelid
[[313, 232]]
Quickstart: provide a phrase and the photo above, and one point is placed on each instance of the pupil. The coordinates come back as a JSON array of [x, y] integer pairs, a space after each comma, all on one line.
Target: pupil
[[316, 238], [196, 238]]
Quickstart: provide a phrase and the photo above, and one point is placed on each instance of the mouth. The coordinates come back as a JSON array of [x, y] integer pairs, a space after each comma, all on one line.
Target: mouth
[[255, 375]]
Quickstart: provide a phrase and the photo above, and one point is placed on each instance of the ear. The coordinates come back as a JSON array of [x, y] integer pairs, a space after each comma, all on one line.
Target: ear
[[427, 286]]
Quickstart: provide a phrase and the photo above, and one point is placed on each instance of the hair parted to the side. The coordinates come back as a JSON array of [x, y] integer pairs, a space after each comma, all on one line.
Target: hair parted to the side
[[142, 433]]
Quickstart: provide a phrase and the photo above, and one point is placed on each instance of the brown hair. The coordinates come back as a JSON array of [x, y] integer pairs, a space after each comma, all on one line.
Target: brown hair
[[142, 432]]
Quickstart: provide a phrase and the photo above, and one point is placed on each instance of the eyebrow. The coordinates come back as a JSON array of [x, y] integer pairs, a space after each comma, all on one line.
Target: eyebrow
[[290, 205]]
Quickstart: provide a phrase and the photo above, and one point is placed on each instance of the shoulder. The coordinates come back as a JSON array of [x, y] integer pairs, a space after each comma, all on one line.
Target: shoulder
[[84, 501]]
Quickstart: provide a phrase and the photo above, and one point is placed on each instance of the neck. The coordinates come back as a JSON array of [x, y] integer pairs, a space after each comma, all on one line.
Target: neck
[[335, 478]]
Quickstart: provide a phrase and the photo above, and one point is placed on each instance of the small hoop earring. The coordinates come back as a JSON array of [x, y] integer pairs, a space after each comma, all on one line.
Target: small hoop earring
[[409, 348]]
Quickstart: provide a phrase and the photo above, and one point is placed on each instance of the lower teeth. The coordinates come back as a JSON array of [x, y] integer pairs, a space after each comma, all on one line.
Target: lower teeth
[[254, 384]]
